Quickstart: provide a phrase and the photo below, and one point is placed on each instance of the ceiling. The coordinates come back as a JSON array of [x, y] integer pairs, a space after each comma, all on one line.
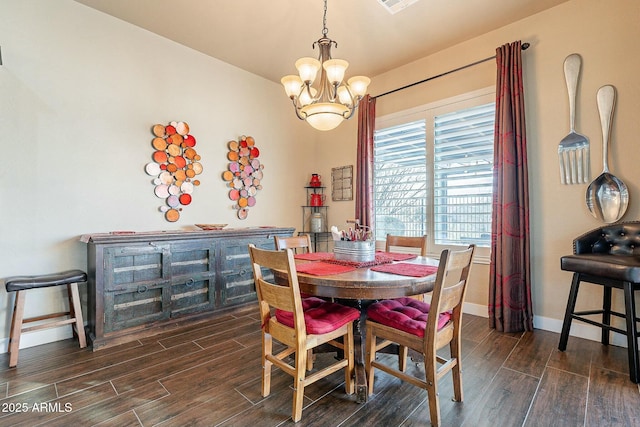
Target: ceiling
[[266, 37]]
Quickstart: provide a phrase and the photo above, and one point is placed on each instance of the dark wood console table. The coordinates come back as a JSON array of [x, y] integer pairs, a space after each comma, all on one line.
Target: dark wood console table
[[140, 283]]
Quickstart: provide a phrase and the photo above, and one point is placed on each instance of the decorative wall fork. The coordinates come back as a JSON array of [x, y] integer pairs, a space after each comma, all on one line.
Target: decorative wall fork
[[573, 150]]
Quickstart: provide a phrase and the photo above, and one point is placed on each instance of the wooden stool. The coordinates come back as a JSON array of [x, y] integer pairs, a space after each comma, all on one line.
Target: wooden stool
[[21, 284]]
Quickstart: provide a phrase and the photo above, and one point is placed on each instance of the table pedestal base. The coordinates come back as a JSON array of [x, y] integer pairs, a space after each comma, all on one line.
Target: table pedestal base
[[362, 393]]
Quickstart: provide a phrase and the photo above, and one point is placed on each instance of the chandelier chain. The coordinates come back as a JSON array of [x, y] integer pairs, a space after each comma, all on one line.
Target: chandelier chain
[[324, 20]]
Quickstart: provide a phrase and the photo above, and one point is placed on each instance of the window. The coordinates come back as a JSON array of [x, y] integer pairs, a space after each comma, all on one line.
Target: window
[[463, 180], [433, 172], [400, 180]]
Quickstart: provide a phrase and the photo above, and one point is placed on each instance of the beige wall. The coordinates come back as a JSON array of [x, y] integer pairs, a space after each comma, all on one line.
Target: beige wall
[[79, 92], [605, 35]]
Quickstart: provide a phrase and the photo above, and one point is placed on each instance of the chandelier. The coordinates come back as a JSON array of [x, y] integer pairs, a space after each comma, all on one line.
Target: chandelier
[[329, 103]]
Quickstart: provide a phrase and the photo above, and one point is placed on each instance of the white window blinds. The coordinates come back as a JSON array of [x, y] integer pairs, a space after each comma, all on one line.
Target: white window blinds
[[400, 180], [462, 170]]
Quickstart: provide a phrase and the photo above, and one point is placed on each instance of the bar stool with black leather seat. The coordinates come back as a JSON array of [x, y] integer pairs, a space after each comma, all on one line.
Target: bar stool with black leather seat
[[608, 256], [21, 284]]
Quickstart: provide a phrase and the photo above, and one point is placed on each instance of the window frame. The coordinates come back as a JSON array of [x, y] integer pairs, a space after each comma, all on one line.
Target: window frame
[[428, 112]]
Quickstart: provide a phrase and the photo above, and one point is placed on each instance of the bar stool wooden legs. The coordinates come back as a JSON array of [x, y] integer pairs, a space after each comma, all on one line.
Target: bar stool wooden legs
[[21, 284]]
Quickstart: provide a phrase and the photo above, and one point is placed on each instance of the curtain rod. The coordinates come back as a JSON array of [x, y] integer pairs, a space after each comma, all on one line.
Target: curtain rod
[[525, 46]]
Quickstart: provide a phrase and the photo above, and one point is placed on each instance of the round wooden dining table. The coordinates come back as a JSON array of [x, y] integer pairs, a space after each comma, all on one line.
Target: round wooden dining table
[[366, 284], [361, 286]]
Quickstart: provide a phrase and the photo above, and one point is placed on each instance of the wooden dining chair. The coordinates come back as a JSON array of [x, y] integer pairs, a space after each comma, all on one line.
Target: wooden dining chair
[[403, 242], [424, 328], [300, 325], [300, 244]]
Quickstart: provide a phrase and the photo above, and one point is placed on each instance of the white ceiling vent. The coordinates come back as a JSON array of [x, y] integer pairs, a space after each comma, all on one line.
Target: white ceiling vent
[[395, 6]]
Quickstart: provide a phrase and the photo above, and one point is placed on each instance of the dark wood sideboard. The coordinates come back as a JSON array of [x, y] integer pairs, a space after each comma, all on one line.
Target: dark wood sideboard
[[143, 283]]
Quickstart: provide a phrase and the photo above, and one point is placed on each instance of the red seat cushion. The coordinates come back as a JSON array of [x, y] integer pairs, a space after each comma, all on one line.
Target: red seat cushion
[[320, 316], [406, 314]]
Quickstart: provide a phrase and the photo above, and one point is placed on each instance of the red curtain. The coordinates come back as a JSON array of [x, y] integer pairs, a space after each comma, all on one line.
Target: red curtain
[[364, 161], [510, 307]]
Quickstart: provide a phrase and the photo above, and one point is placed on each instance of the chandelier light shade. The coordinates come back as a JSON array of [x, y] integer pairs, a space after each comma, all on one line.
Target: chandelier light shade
[[331, 100]]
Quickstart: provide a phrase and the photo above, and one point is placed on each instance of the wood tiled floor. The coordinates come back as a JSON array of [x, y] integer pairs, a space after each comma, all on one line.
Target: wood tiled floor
[[209, 374]]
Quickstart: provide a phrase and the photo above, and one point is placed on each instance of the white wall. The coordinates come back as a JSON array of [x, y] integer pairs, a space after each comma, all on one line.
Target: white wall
[[79, 92], [605, 35]]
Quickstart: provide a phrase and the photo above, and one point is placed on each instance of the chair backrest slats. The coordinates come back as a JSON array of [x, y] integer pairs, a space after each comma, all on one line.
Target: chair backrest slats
[[300, 244], [450, 288], [273, 295], [406, 242], [276, 296], [451, 296]]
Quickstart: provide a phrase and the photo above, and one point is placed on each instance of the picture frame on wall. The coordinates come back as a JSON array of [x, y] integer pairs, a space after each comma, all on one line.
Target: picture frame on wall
[[342, 183]]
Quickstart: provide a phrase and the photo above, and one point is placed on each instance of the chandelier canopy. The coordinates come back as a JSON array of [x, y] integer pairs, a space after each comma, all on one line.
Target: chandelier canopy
[[331, 101]]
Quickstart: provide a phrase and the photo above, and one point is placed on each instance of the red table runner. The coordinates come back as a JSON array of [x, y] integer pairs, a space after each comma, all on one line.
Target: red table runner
[[407, 269], [315, 256], [381, 258], [320, 268]]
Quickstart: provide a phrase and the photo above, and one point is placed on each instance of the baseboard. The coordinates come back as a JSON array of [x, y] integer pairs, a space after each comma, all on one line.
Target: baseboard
[[34, 338], [578, 329], [475, 309]]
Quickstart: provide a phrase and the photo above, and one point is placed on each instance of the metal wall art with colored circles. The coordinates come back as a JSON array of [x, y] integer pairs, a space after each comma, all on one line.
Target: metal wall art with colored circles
[[243, 174], [175, 165]]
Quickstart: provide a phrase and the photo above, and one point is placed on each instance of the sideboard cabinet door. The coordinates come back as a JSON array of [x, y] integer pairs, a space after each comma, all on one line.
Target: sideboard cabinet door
[[193, 277], [236, 277], [136, 285]]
